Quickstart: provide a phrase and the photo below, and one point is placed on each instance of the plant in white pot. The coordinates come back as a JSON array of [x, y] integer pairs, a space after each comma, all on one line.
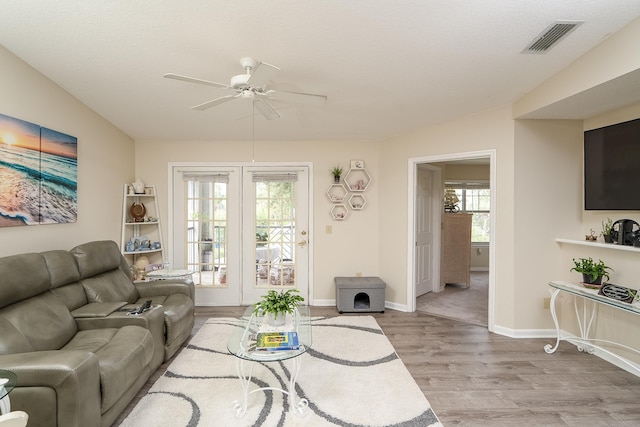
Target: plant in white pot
[[275, 305]]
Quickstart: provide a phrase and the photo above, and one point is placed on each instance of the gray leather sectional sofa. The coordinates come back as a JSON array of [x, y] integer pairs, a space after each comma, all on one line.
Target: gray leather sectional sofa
[[65, 331]]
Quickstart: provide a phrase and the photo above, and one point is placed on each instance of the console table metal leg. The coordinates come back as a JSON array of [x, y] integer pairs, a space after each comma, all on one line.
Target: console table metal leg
[[588, 310], [245, 382], [552, 306]]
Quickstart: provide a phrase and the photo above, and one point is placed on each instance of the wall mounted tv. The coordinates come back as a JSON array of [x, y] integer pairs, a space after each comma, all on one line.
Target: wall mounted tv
[[612, 167]]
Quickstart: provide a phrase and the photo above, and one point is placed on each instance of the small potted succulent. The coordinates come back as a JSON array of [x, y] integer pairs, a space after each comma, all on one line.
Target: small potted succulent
[[592, 272], [275, 305], [336, 171], [607, 226]]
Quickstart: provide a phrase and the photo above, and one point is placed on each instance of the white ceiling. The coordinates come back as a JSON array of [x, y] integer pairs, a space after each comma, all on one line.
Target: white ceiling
[[387, 66]]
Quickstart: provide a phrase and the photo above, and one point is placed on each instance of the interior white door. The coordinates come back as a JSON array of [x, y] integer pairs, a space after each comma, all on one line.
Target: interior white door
[[275, 236], [424, 230]]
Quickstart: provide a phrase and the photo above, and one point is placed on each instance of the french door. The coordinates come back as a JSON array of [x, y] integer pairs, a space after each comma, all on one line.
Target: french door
[[242, 230]]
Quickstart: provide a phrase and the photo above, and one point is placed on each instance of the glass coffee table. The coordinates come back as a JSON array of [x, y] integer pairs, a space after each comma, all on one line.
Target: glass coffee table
[[7, 382], [242, 345]]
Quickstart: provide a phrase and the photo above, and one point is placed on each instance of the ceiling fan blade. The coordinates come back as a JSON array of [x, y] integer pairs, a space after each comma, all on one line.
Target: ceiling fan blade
[[214, 102], [267, 110], [306, 98], [194, 80], [261, 74]]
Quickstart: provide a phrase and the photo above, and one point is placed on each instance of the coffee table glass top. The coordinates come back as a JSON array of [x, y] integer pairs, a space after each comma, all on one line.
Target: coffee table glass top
[[7, 382], [243, 336]]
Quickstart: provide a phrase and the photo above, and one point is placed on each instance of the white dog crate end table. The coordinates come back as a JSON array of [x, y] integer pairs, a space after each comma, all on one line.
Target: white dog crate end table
[[359, 294]]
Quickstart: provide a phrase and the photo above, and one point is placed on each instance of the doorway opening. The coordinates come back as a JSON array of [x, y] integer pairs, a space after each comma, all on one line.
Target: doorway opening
[[472, 301]]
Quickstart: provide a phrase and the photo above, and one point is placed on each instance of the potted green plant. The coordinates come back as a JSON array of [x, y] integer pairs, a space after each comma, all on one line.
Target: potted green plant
[[336, 171], [261, 238], [275, 305], [592, 272], [607, 226]]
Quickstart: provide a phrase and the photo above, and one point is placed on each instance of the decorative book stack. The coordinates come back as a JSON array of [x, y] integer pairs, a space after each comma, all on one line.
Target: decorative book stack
[[277, 341]]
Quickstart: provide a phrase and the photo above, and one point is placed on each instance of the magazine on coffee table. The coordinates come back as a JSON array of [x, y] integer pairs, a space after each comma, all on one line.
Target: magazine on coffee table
[[277, 341]]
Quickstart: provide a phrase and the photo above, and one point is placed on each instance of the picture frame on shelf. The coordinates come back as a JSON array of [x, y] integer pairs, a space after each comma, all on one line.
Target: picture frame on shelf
[[357, 164]]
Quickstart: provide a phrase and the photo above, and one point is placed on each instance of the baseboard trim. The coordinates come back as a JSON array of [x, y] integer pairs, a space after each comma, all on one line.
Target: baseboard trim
[[524, 333], [332, 303], [552, 335], [323, 302]]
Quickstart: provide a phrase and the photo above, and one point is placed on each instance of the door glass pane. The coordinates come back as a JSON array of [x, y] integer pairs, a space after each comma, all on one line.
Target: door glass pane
[[206, 243], [275, 234]]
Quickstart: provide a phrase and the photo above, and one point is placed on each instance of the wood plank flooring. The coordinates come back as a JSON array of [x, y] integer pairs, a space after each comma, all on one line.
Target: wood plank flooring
[[472, 377]]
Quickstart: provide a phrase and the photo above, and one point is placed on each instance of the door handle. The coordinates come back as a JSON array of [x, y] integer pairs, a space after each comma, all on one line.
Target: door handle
[[302, 244]]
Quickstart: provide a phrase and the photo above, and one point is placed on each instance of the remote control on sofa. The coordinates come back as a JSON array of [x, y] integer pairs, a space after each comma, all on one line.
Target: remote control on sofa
[[143, 307]]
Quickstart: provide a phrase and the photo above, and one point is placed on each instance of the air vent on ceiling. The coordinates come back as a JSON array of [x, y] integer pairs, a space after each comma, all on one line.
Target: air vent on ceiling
[[551, 35]]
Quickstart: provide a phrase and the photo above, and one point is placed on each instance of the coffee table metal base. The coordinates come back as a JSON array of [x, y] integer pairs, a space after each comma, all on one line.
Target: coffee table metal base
[[297, 406], [5, 403]]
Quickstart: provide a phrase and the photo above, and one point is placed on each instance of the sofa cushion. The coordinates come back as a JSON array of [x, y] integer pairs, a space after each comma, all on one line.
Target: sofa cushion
[[62, 268], [64, 276], [124, 355], [73, 295], [22, 276], [39, 323], [96, 257], [101, 273], [108, 287]]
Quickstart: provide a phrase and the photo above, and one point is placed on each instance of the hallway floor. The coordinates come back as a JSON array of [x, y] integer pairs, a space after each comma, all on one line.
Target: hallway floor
[[458, 302]]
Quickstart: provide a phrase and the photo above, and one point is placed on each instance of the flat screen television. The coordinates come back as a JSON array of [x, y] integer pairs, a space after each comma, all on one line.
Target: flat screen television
[[612, 167]]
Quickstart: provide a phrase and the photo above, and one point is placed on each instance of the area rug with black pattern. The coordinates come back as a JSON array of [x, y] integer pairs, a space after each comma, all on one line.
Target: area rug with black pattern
[[351, 376]]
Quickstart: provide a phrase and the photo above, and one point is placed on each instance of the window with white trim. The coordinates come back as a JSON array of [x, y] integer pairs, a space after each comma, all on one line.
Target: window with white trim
[[474, 198]]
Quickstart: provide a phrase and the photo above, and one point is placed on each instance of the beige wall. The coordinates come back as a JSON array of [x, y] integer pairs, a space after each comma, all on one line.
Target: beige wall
[[492, 130], [105, 159], [611, 324], [351, 247], [614, 57], [463, 172], [548, 204]]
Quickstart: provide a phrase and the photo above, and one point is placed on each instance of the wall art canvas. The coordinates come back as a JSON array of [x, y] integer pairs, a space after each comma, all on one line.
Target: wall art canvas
[[38, 174]]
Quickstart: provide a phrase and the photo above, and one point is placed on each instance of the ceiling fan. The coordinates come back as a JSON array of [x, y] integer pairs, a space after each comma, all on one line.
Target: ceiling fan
[[252, 85]]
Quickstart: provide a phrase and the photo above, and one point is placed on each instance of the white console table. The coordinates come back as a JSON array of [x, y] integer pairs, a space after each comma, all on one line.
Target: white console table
[[586, 314]]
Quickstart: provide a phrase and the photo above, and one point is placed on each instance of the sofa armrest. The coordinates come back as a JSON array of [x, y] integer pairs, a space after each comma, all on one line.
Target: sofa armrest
[[73, 376], [152, 320], [166, 287], [97, 309]]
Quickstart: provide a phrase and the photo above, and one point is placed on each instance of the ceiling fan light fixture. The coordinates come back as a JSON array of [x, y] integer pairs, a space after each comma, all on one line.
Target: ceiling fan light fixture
[[252, 85], [248, 93], [240, 81]]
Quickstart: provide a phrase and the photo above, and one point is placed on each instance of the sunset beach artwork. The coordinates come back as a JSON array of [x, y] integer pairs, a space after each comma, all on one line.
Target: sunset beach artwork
[[38, 174]]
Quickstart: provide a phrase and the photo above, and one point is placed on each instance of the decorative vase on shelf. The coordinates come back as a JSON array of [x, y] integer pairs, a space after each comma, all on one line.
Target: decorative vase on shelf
[[138, 186]]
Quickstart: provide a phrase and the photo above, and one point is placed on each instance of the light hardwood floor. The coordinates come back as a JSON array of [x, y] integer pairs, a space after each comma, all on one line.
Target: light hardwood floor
[[473, 377]]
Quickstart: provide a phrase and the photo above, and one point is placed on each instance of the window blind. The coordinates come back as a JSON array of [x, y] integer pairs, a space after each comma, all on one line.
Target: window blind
[[274, 177], [205, 177], [472, 185]]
